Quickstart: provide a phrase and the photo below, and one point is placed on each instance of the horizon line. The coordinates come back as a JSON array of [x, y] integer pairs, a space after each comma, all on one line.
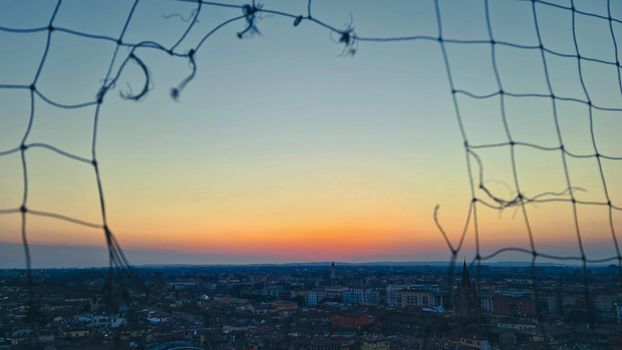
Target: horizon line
[[510, 263]]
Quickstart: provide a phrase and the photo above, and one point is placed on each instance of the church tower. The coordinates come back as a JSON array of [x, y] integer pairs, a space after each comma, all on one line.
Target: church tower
[[467, 301], [333, 272], [465, 281]]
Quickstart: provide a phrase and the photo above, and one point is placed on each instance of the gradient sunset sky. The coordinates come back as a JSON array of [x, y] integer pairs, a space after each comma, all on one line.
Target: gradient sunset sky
[[281, 150]]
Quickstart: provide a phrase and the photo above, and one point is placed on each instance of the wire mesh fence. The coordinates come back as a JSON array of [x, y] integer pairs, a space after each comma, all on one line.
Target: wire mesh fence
[[483, 196]]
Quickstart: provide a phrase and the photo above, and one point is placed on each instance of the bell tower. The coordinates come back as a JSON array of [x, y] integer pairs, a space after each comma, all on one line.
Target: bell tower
[[467, 305]]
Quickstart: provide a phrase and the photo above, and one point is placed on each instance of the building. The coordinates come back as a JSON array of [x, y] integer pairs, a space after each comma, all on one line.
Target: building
[[274, 292], [525, 327], [392, 290], [361, 296], [513, 306], [417, 298], [335, 292], [314, 297], [466, 305], [112, 321], [471, 343], [375, 343], [485, 303], [284, 306], [319, 343], [74, 332]]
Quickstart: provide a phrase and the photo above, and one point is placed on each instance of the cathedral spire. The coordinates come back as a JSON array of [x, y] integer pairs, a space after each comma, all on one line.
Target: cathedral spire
[[466, 280], [467, 299]]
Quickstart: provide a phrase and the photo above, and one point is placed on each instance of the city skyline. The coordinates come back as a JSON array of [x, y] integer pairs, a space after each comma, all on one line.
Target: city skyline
[[310, 174]]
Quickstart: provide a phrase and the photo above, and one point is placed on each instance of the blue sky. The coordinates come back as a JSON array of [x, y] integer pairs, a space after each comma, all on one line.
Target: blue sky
[[280, 143]]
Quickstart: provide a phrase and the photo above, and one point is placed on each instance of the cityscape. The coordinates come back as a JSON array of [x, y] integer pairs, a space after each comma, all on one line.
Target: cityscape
[[319, 306], [310, 175]]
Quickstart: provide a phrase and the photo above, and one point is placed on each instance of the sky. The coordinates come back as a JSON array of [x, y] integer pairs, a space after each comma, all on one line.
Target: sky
[[282, 149]]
